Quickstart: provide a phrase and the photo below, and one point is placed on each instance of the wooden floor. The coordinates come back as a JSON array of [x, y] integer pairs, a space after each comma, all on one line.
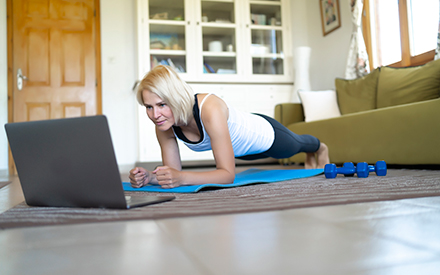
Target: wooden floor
[[390, 237]]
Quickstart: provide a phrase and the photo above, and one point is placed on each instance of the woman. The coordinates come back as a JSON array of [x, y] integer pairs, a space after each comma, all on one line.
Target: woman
[[205, 122]]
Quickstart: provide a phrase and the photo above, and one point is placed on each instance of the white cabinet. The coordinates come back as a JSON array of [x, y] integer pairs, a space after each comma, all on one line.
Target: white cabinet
[[238, 49], [240, 41]]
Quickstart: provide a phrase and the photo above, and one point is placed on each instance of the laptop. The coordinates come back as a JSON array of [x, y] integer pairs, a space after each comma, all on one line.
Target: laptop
[[70, 163]]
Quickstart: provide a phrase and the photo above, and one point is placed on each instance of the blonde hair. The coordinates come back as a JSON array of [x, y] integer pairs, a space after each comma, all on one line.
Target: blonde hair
[[176, 93]]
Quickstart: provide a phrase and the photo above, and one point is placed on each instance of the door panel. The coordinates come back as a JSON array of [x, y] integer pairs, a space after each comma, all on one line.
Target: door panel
[[54, 46], [37, 56]]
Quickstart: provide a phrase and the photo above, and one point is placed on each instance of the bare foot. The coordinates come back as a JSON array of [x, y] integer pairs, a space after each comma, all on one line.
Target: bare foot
[[310, 162], [322, 155]]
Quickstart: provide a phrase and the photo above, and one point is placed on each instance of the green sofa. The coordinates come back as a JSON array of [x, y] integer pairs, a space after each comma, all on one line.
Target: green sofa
[[391, 114]]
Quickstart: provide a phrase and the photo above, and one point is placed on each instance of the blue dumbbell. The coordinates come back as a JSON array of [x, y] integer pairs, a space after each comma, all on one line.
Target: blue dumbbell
[[331, 171], [350, 166], [363, 169]]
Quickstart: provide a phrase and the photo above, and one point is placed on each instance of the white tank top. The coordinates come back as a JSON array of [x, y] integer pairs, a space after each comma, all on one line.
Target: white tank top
[[250, 133]]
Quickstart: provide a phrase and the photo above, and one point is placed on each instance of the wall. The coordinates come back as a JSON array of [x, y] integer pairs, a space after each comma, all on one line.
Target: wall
[[118, 49], [329, 53], [118, 52], [299, 28], [3, 90]]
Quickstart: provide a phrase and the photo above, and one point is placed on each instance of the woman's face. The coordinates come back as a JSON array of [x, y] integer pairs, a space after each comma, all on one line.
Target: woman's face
[[158, 111]]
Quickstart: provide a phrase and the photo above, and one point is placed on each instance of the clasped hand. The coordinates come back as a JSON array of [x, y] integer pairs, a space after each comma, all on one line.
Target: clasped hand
[[166, 177]]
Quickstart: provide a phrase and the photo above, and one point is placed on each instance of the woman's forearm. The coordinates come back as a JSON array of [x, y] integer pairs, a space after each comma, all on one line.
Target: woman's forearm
[[218, 176], [169, 177]]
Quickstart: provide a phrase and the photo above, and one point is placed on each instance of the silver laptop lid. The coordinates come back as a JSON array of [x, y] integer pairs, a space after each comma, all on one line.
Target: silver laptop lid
[[67, 162]]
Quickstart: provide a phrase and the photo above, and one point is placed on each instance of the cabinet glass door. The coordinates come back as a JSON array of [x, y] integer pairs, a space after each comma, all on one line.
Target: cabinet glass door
[[266, 47], [218, 24], [167, 34]]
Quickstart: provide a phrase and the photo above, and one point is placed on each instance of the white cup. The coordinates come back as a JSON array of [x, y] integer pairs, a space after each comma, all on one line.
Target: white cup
[[215, 46]]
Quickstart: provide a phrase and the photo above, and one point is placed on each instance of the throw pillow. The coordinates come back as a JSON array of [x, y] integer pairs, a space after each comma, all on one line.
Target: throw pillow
[[406, 85], [357, 95], [319, 105]]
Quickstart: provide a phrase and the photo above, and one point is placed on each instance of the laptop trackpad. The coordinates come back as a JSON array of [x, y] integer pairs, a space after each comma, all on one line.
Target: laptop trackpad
[[136, 201]]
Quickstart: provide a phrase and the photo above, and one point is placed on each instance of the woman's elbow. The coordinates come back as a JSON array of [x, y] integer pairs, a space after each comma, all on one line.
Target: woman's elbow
[[230, 179]]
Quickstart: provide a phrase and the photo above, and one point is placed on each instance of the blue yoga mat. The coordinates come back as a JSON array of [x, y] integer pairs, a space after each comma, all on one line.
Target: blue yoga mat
[[249, 176]]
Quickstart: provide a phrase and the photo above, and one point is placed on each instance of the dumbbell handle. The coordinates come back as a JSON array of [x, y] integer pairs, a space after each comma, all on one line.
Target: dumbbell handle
[[346, 171]]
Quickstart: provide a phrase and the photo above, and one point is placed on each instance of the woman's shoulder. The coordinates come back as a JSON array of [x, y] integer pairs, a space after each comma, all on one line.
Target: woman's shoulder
[[212, 105], [208, 97], [201, 96], [211, 100]]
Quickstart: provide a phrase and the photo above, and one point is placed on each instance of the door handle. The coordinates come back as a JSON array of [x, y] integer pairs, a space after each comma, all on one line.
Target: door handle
[[20, 78]]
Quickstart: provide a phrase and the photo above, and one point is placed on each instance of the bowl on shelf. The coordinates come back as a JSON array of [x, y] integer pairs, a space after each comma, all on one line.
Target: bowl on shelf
[[215, 46]]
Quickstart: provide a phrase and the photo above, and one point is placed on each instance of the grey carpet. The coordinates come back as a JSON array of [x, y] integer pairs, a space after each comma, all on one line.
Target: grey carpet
[[315, 191]]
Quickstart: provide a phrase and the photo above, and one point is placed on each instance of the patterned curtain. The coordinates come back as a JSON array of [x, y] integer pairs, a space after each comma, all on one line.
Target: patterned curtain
[[437, 51], [357, 63]]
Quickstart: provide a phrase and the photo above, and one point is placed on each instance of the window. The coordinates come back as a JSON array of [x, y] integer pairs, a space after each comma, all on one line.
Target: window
[[400, 33]]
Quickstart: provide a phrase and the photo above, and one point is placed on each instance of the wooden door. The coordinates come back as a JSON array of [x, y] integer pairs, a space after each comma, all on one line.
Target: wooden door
[[54, 48]]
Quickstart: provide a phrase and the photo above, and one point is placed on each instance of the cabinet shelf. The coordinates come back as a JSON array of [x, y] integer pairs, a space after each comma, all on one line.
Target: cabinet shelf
[[167, 52], [268, 3], [269, 55], [225, 1], [167, 22], [265, 28], [220, 54], [218, 25]]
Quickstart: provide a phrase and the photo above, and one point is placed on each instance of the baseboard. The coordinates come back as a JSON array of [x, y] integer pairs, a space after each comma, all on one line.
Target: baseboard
[[4, 173], [208, 163]]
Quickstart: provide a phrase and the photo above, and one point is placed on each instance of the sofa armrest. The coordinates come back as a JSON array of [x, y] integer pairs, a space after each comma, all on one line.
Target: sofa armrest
[[288, 113]]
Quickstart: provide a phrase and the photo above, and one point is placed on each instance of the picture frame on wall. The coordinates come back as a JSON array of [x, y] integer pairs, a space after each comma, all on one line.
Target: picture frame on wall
[[330, 15]]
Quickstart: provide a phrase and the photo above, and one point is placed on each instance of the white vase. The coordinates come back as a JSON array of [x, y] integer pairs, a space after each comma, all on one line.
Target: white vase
[[301, 62]]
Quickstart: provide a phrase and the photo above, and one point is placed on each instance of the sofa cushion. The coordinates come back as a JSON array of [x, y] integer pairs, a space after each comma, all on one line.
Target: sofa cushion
[[319, 105], [358, 94], [406, 85]]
